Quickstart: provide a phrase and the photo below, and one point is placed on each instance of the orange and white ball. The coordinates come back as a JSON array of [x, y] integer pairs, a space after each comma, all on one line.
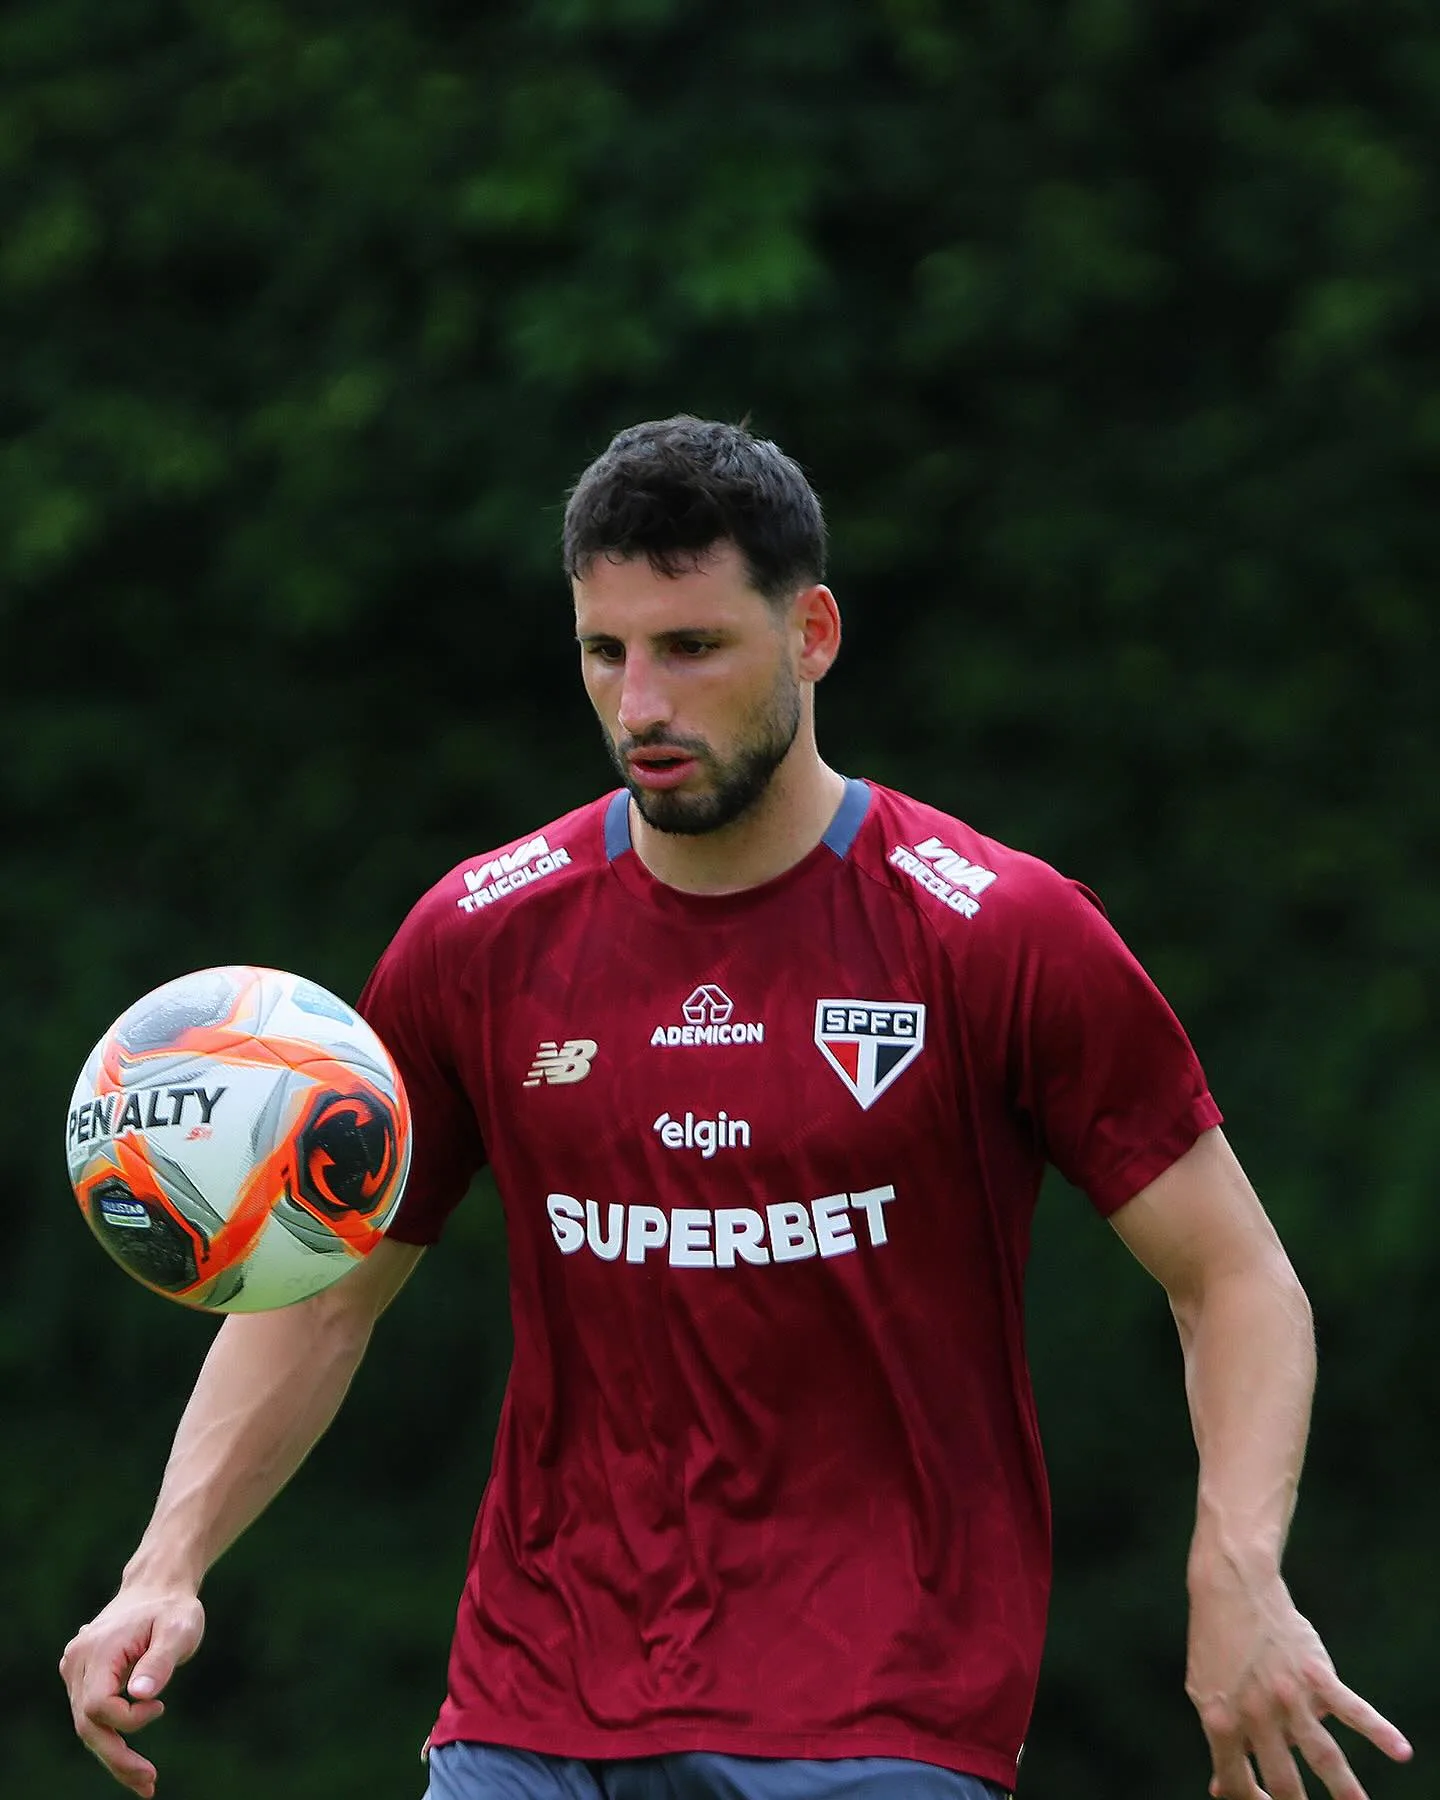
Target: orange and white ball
[[238, 1139]]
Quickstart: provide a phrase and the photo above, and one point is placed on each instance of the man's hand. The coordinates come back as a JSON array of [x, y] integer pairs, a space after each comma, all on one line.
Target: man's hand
[[116, 1667], [1259, 1676], [1263, 1684]]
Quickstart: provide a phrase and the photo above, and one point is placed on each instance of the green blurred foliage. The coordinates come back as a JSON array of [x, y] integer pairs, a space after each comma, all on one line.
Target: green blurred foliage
[[1106, 332]]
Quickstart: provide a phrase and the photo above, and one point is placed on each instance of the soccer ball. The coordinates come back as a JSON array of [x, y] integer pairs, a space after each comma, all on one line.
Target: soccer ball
[[238, 1139]]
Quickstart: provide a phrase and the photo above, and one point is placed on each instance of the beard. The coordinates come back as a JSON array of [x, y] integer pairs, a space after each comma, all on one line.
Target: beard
[[737, 782]]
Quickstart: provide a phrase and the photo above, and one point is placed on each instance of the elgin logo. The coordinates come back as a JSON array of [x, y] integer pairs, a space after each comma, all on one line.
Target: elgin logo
[[557, 1065], [869, 1043], [705, 1135]]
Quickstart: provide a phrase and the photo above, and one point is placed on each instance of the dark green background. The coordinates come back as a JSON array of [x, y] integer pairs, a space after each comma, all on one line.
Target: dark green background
[[1109, 334]]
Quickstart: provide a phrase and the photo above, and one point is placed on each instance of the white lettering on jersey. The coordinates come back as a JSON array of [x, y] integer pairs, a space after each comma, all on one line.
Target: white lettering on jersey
[[944, 873], [709, 1019], [513, 869], [669, 1036], [705, 1135], [694, 1237]]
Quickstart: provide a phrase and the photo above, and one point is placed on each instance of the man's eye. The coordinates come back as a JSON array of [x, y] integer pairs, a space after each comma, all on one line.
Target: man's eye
[[692, 647], [606, 653]]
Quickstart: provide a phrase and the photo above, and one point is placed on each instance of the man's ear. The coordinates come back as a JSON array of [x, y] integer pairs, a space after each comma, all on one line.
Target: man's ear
[[815, 618]]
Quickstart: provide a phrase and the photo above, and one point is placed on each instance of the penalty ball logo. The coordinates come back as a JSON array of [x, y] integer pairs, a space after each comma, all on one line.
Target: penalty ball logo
[[869, 1043], [347, 1155]]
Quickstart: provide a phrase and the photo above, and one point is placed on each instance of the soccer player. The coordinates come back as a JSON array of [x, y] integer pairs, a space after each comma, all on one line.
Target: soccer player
[[768, 1064]]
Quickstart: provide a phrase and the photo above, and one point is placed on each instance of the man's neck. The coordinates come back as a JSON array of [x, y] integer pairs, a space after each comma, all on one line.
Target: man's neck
[[781, 830]]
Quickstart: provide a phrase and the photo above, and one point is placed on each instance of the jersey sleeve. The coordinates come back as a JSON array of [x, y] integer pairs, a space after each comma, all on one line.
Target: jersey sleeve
[[1102, 1067], [403, 1001]]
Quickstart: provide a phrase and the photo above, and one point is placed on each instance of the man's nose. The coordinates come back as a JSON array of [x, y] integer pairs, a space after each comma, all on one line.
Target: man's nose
[[644, 706]]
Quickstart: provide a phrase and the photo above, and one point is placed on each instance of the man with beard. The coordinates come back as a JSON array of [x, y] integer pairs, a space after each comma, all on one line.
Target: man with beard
[[768, 1064]]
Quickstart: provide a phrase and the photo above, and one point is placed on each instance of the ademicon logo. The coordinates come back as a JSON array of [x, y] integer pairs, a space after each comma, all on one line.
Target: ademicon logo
[[709, 1016]]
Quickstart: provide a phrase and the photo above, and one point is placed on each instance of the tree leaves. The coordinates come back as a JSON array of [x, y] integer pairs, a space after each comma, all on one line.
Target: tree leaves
[[1104, 333]]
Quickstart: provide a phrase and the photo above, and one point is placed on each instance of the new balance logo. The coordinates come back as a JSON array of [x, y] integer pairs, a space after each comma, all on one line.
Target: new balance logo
[[557, 1065]]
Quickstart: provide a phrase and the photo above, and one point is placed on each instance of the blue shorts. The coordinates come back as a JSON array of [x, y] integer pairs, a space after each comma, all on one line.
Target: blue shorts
[[464, 1771]]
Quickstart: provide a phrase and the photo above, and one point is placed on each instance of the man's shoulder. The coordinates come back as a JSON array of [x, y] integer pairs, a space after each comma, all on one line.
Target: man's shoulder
[[497, 881], [954, 872]]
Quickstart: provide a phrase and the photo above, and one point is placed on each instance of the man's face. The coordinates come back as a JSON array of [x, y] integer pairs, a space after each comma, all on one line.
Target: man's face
[[693, 680]]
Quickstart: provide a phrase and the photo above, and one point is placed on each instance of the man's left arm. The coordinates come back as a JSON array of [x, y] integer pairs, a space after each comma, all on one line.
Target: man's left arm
[[1257, 1672]]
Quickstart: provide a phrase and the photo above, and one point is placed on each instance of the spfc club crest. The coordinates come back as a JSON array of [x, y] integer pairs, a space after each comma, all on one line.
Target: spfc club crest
[[869, 1043]]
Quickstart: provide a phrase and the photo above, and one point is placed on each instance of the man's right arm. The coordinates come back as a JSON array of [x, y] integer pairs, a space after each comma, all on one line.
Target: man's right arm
[[271, 1384]]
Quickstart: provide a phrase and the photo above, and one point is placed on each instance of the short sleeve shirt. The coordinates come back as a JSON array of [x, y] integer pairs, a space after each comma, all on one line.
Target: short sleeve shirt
[[768, 1478]]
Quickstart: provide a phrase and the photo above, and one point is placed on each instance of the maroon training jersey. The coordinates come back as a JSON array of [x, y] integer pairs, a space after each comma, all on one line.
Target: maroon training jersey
[[767, 1478]]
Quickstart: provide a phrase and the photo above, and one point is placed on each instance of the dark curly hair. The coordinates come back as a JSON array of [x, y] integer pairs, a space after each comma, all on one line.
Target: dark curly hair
[[673, 489]]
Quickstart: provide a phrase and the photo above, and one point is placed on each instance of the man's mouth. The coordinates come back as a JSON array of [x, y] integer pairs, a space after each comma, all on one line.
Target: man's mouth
[[659, 769]]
